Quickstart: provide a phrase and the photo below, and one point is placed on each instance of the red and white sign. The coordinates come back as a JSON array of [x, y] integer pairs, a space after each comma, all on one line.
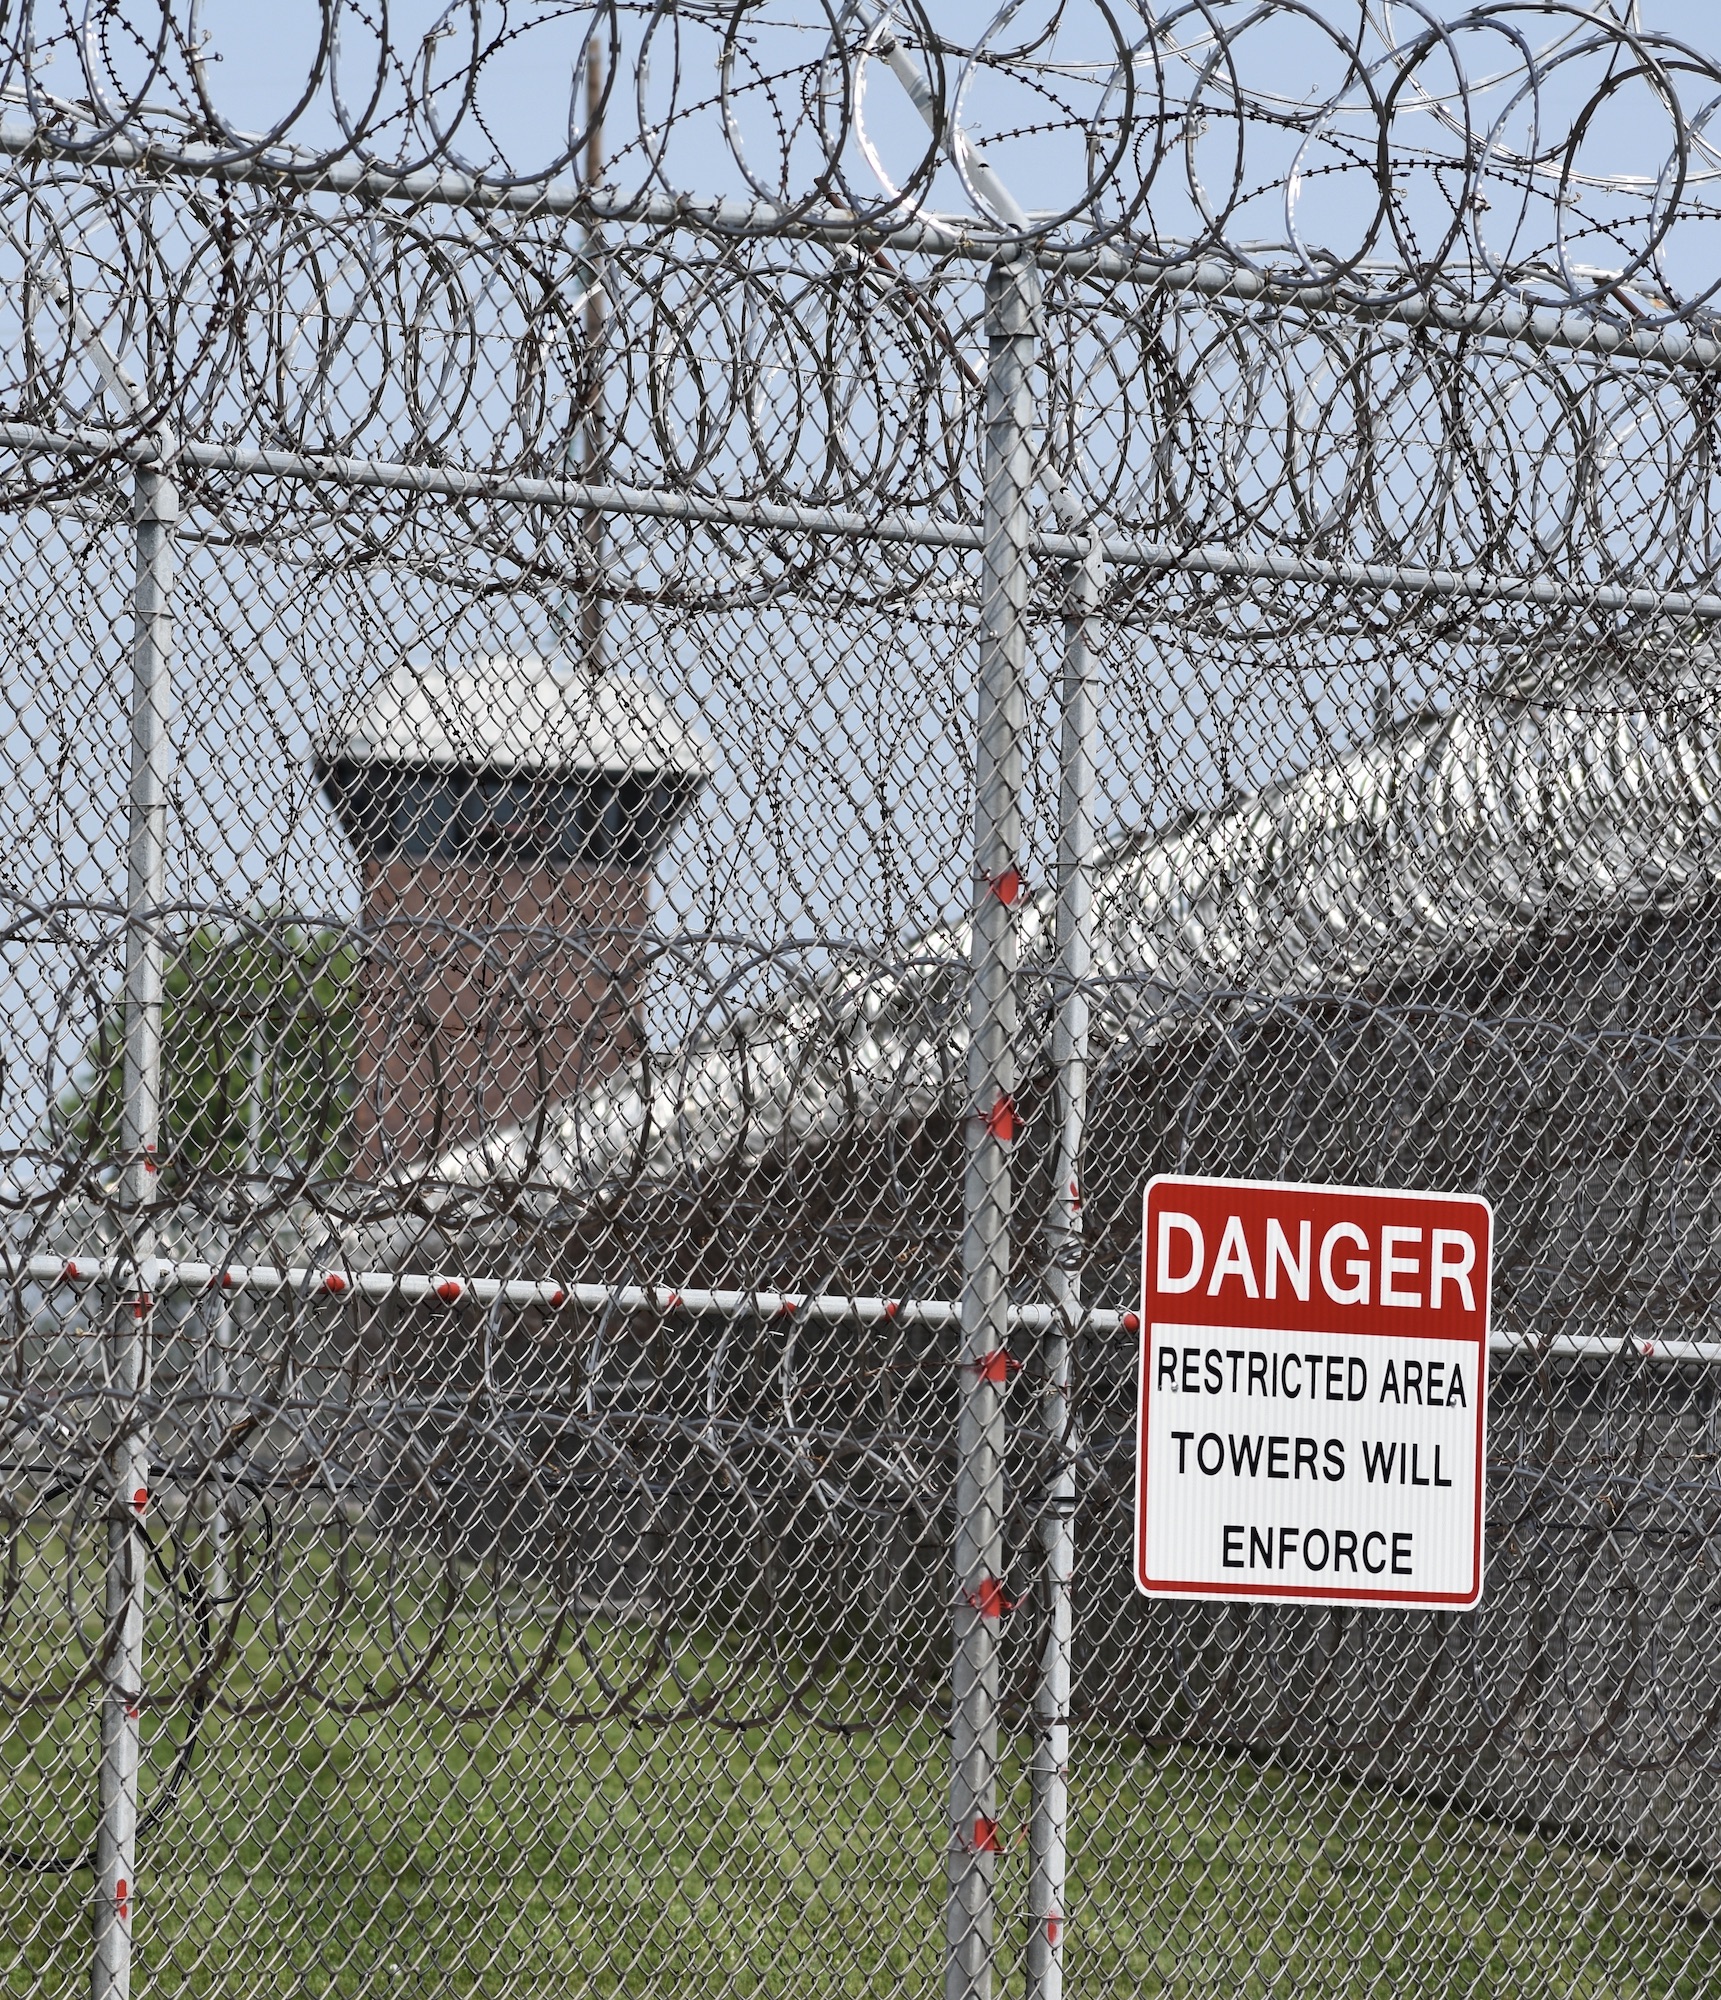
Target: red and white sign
[[1314, 1393]]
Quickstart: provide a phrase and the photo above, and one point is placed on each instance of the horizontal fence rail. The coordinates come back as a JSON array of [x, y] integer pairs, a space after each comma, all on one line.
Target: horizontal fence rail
[[671, 505], [161, 1276]]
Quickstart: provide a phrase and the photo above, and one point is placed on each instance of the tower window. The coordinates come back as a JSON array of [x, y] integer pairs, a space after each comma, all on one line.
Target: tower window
[[420, 812]]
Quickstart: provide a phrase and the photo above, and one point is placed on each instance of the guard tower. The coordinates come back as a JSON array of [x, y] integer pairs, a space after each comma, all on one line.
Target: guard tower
[[506, 818]]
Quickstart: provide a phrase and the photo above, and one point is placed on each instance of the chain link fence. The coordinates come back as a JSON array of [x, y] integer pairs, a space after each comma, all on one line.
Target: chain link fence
[[684, 683]]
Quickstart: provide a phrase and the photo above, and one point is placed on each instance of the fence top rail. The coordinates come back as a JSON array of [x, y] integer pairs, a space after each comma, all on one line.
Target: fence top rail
[[1389, 295], [160, 1277]]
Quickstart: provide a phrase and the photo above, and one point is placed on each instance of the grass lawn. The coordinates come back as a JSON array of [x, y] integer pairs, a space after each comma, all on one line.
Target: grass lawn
[[524, 1857], [395, 1849]]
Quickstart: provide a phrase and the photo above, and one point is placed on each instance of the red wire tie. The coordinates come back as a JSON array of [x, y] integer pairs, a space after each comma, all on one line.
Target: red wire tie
[[122, 1900], [997, 1366], [787, 1309], [988, 1598], [149, 1166], [1007, 887], [1001, 1121], [986, 1836], [71, 1274], [140, 1499], [672, 1303], [1054, 1927], [141, 1306], [1131, 1322], [558, 1297], [449, 1290], [1648, 1347], [334, 1282], [1075, 1195], [891, 1308]]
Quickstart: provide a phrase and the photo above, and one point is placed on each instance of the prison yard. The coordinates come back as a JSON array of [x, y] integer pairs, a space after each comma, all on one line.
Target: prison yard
[[860, 1054]]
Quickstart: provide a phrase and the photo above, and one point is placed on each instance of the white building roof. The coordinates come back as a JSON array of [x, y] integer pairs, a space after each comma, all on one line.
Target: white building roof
[[1523, 808], [523, 712]]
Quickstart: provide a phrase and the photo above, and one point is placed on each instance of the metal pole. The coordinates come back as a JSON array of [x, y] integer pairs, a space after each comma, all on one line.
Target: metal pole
[[127, 1339], [1012, 324], [1049, 1820], [597, 326], [217, 1373]]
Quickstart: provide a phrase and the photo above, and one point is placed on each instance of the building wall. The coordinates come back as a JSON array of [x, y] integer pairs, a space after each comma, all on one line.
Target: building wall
[[487, 993]]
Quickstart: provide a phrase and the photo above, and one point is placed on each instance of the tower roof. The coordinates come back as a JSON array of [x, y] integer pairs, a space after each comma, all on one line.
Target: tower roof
[[516, 712]]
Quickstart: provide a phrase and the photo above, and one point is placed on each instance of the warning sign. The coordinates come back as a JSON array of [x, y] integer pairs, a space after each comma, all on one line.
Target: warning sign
[[1314, 1393]]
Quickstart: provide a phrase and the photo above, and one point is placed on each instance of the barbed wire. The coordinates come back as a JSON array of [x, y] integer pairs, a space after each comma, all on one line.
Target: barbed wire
[[749, 408], [1385, 152]]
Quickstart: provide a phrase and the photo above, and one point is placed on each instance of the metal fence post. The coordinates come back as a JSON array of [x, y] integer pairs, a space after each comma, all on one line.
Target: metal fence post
[[128, 1331], [1012, 316], [592, 440], [1049, 1783]]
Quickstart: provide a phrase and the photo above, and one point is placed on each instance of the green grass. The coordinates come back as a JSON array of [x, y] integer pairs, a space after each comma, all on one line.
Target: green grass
[[399, 1850], [522, 1857]]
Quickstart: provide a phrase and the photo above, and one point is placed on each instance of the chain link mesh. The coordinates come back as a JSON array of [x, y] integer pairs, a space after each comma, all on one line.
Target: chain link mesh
[[657, 749]]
